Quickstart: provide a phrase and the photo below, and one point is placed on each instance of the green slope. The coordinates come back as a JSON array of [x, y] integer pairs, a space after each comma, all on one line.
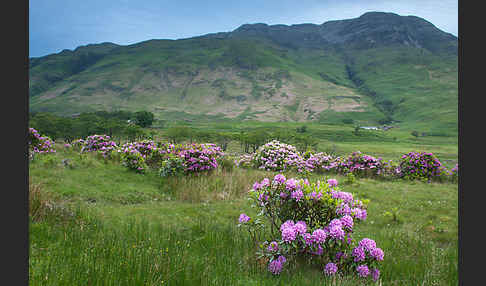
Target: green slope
[[375, 69]]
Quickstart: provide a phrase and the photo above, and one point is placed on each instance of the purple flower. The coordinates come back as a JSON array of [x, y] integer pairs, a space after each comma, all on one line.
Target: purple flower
[[256, 186], [308, 238], [330, 269], [273, 246], [279, 178], [291, 184], [368, 244], [336, 232], [287, 224], [359, 213], [375, 274], [377, 253], [288, 234], [319, 235], [300, 227], [358, 253], [275, 266], [347, 222], [265, 183], [297, 195], [335, 222], [332, 182], [363, 270], [244, 218]]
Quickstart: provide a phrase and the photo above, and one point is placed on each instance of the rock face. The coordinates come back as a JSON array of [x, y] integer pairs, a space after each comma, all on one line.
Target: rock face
[[371, 30]]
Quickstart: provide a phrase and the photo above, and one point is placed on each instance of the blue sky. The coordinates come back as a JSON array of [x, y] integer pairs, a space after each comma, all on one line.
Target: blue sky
[[55, 25]]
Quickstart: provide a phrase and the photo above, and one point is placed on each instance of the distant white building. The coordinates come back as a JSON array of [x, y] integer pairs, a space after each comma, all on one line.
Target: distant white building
[[370, 127]]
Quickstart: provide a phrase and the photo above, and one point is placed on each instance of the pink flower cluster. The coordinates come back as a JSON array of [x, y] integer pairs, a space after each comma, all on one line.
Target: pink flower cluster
[[40, 144], [277, 156], [416, 165], [318, 220], [244, 161], [200, 157], [360, 163], [321, 162], [101, 143]]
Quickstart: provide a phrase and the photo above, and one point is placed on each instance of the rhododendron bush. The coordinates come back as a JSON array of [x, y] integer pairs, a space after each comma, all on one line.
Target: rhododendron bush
[[420, 165], [39, 144], [98, 143], [277, 156], [315, 221]]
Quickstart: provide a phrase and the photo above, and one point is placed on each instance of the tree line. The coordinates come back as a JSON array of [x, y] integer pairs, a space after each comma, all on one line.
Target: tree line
[[123, 124]]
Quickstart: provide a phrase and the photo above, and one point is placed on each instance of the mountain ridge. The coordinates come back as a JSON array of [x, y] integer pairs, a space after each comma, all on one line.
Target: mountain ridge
[[384, 59]]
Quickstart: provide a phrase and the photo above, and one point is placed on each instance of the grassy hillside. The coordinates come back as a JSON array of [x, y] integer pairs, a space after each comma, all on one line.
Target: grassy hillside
[[375, 69]]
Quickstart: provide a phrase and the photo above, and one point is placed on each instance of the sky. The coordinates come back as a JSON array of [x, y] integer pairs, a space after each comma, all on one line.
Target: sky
[[55, 25]]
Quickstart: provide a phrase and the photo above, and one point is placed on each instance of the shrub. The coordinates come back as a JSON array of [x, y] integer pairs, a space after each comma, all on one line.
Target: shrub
[[200, 157], [133, 159], [313, 221], [361, 165], [454, 173], [172, 165], [276, 156], [420, 166], [98, 143], [151, 153], [321, 162], [244, 161], [39, 144]]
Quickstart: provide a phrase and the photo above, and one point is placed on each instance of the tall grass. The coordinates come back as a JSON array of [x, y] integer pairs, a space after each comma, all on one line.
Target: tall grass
[[132, 253], [133, 229]]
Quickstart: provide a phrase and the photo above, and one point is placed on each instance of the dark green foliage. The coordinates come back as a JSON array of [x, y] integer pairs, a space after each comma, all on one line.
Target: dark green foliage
[[85, 124], [301, 129], [177, 134], [144, 118]]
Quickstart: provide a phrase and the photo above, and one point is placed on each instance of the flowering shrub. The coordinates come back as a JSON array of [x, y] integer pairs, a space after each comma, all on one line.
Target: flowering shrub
[[361, 165], [77, 144], [133, 159], [39, 144], [421, 166], [200, 157], [315, 221], [276, 156], [173, 165], [244, 161], [98, 143], [150, 152], [454, 173], [321, 162]]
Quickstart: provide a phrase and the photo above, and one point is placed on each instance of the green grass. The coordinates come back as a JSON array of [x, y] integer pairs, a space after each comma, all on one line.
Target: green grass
[[132, 229]]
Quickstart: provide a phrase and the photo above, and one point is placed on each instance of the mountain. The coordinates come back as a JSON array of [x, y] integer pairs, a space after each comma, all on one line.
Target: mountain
[[377, 68]]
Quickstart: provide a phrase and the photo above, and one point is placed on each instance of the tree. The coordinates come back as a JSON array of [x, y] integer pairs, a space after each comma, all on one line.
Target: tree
[[304, 142], [144, 118], [302, 129]]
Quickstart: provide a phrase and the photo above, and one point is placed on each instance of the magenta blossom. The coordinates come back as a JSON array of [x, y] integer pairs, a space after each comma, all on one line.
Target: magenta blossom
[[244, 218], [332, 182], [330, 269]]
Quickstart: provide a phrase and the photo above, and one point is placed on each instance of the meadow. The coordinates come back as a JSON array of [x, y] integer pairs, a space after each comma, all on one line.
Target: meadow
[[95, 222]]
